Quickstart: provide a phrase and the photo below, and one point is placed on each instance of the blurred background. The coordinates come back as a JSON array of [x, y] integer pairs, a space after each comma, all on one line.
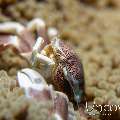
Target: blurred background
[[92, 27]]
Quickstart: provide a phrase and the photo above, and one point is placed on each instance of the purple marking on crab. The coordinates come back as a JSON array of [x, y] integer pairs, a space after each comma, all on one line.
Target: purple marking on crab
[[69, 72]]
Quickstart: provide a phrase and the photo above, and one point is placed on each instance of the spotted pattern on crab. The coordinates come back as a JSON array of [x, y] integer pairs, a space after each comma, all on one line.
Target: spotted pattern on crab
[[73, 63], [61, 84], [74, 67]]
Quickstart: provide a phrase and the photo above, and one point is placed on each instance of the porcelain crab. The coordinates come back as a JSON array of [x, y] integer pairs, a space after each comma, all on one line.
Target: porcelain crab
[[55, 60], [60, 66]]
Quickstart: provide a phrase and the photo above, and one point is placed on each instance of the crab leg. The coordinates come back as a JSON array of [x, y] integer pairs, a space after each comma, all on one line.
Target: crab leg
[[39, 26], [11, 28], [14, 28]]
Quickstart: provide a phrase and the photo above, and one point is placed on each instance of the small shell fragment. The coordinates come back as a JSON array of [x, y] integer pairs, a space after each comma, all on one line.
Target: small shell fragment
[[36, 87]]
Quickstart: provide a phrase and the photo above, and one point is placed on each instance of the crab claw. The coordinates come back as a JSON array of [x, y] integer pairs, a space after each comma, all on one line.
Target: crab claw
[[27, 77], [34, 84], [35, 87]]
